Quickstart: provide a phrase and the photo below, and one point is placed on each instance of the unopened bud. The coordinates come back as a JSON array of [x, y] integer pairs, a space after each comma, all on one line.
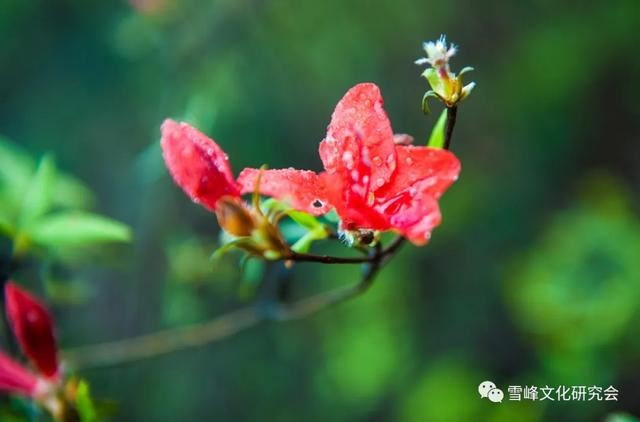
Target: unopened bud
[[233, 217]]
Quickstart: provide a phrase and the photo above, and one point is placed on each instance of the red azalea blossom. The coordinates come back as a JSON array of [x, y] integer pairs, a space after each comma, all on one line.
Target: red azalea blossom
[[372, 182], [197, 164], [33, 327]]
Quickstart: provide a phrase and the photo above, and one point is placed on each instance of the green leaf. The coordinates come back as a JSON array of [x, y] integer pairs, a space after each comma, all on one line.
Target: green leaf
[[16, 170], [37, 198], [300, 217], [332, 216], [436, 140], [75, 228], [84, 403], [72, 193], [304, 243], [304, 219], [273, 205]]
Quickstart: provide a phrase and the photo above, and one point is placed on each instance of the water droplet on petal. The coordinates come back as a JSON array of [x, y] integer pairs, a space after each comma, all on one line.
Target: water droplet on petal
[[380, 182], [408, 160], [377, 161]]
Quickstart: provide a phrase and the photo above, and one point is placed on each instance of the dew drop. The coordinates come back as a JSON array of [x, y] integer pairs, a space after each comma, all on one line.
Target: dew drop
[[380, 182], [408, 160], [377, 161]]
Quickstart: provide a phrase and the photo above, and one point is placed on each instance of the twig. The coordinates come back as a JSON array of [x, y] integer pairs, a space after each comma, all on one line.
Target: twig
[[176, 339], [161, 342]]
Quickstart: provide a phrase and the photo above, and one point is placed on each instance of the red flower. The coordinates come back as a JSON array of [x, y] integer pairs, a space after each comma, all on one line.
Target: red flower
[[370, 181], [33, 327], [197, 164]]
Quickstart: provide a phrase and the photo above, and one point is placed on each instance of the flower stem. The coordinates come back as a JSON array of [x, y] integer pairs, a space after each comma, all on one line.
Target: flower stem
[[451, 122]]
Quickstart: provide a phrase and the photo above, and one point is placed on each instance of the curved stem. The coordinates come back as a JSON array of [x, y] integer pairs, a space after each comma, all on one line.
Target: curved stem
[[162, 342], [176, 339]]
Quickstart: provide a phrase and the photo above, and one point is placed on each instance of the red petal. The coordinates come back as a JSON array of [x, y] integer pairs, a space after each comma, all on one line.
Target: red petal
[[14, 378], [33, 328], [197, 164], [304, 190], [417, 218], [359, 115], [436, 168], [410, 199]]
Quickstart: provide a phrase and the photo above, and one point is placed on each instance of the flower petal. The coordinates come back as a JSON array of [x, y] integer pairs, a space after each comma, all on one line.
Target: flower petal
[[410, 199], [437, 167], [417, 218], [33, 327], [349, 188], [360, 114], [197, 164], [14, 378], [303, 190]]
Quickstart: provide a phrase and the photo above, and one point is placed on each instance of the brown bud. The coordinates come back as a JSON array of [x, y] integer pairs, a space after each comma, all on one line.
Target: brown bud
[[233, 217]]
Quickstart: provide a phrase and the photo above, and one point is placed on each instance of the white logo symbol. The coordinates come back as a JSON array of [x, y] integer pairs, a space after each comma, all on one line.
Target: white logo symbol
[[488, 389]]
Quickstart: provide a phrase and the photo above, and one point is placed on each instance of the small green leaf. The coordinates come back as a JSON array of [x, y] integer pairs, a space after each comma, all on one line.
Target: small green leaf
[[37, 198], [84, 403], [272, 205], [70, 192], [436, 140], [73, 229], [304, 243], [16, 171], [304, 219], [332, 216]]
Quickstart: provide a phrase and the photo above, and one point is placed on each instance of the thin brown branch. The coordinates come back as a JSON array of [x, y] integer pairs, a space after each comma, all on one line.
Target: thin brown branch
[[176, 339]]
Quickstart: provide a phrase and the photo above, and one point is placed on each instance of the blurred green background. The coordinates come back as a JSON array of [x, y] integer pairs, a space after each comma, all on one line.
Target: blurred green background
[[533, 278]]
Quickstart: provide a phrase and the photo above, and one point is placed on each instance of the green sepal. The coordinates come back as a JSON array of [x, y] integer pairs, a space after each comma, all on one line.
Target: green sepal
[[436, 140]]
